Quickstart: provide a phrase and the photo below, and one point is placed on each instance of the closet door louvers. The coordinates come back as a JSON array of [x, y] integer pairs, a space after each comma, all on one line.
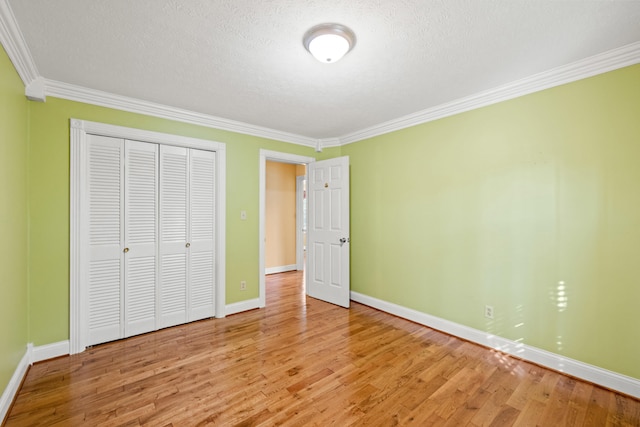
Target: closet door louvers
[[172, 301], [187, 263], [141, 207], [149, 216], [103, 241], [201, 234]]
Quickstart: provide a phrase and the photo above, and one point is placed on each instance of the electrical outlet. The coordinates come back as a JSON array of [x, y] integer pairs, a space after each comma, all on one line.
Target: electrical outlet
[[488, 311], [243, 285]]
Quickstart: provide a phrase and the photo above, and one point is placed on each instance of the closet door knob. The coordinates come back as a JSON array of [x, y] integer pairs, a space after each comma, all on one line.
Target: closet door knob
[[187, 245], [125, 250]]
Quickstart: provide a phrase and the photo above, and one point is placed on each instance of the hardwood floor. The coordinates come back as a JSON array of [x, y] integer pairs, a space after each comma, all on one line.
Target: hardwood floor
[[305, 362]]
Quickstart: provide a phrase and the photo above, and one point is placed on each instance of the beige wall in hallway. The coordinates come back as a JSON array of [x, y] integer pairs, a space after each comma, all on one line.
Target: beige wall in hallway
[[280, 215]]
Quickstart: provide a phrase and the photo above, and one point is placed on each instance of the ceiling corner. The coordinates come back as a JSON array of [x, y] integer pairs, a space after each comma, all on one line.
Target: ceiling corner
[[14, 44]]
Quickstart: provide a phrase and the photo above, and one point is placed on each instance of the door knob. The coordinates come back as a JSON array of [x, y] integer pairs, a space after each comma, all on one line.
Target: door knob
[[125, 250], [344, 240], [187, 245]]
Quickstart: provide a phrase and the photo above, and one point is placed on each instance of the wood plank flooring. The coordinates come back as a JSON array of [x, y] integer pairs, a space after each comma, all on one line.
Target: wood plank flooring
[[305, 362]]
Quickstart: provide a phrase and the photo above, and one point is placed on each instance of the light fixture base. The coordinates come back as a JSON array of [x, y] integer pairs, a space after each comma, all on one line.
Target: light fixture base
[[329, 42]]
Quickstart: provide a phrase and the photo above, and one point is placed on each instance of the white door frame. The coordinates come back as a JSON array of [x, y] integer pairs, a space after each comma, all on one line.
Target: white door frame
[[299, 221], [78, 136], [275, 156]]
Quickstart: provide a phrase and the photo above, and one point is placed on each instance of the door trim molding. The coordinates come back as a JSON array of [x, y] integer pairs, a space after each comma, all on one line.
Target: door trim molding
[[79, 129], [299, 222], [277, 157], [281, 269]]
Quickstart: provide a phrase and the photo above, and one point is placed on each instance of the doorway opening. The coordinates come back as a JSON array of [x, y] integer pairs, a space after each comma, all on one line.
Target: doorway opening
[[281, 252], [285, 213]]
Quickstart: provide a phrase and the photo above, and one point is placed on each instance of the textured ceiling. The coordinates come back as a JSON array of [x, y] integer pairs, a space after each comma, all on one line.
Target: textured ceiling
[[243, 60]]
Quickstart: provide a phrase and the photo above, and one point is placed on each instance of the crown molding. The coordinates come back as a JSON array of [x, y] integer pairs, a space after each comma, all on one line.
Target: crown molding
[[37, 88], [15, 45], [588, 67], [330, 142], [104, 99]]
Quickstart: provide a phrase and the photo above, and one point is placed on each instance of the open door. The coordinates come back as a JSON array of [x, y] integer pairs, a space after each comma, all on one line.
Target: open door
[[328, 231]]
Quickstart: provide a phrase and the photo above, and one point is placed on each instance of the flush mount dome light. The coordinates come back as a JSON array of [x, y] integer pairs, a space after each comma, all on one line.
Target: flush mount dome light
[[329, 42]]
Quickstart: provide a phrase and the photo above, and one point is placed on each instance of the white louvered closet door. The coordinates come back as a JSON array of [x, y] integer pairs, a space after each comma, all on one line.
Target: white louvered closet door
[[174, 186], [141, 207], [103, 274], [201, 261], [148, 212]]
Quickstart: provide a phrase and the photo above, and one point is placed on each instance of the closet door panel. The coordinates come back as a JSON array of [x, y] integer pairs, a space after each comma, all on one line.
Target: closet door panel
[[174, 184], [201, 220], [173, 298], [105, 208], [201, 286], [104, 290], [141, 187]]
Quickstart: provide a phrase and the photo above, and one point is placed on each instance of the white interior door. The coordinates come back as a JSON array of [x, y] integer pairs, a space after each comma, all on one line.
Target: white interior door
[[201, 256], [172, 295], [102, 244], [328, 231], [120, 237], [140, 224]]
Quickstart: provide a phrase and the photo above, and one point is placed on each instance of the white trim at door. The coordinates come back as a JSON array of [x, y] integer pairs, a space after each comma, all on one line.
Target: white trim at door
[[79, 129], [300, 226], [281, 269], [276, 157]]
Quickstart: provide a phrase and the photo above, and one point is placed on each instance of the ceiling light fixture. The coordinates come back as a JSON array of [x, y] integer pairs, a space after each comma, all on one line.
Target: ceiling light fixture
[[329, 42]]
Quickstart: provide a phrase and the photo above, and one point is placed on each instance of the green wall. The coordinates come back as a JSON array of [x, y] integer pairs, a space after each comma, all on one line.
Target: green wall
[[49, 205], [13, 220], [530, 205]]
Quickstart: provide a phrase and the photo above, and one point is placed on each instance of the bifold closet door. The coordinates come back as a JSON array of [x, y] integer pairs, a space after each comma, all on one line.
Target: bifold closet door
[[201, 261], [122, 209], [149, 217], [187, 264], [140, 237], [174, 187], [103, 271]]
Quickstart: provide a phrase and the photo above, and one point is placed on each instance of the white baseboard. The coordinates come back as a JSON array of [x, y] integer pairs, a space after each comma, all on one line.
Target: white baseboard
[[241, 306], [14, 384], [584, 371], [281, 269], [31, 355], [49, 351]]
